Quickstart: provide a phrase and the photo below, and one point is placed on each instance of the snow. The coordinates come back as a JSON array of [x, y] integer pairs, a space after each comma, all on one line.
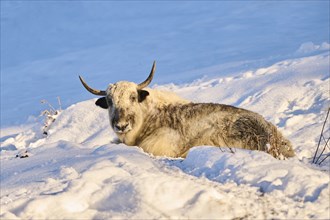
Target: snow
[[77, 172], [268, 57], [45, 45]]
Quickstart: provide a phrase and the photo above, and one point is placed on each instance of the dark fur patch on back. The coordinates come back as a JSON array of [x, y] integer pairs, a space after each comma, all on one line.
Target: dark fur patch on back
[[236, 127]]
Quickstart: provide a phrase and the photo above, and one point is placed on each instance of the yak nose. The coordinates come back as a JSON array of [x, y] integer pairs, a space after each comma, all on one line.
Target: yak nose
[[121, 127]]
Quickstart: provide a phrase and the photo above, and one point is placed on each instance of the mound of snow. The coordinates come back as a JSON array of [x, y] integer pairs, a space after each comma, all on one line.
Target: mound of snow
[[292, 94], [82, 123], [77, 172]]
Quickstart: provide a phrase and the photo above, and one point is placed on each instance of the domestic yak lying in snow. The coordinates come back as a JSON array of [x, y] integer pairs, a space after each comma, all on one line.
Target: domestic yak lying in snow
[[163, 124]]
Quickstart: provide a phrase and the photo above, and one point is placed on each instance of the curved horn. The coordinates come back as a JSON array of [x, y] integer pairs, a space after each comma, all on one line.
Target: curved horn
[[148, 80], [93, 91]]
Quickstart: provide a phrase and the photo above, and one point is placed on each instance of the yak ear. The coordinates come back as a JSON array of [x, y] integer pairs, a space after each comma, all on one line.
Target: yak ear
[[102, 102], [142, 95]]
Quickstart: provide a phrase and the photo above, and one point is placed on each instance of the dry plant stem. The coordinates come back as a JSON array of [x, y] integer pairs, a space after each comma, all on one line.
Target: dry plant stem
[[324, 158], [50, 106], [59, 103], [326, 144], [318, 145]]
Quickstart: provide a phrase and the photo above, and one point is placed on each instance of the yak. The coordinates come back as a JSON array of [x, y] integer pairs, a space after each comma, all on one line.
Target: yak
[[163, 124]]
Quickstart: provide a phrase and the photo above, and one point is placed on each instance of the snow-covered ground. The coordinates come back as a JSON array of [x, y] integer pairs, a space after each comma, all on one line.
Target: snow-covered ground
[[45, 45], [269, 57], [76, 172]]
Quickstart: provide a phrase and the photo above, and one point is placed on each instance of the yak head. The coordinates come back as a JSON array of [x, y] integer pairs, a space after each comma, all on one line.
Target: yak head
[[125, 102]]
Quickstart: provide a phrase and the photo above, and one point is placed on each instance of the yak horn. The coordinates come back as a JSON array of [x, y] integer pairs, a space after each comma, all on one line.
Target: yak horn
[[93, 91], [148, 80]]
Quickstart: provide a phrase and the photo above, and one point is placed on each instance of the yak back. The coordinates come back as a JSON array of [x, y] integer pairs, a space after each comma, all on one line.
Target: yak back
[[218, 125]]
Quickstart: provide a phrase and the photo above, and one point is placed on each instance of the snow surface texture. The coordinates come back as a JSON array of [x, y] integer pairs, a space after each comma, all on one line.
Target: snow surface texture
[[46, 44], [76, 172]]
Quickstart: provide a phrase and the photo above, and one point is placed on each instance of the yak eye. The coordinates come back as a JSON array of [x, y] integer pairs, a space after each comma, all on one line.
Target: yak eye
[[133, 98]]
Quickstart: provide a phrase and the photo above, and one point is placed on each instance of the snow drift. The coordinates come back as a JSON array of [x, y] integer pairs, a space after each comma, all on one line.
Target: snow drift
[[76, 172]]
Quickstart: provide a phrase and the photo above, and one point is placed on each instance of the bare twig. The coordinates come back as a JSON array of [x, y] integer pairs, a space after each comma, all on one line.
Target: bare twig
[[324, 158], [318, 145], [50, 115], [59, 103], [326, 144], [50, 106]]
